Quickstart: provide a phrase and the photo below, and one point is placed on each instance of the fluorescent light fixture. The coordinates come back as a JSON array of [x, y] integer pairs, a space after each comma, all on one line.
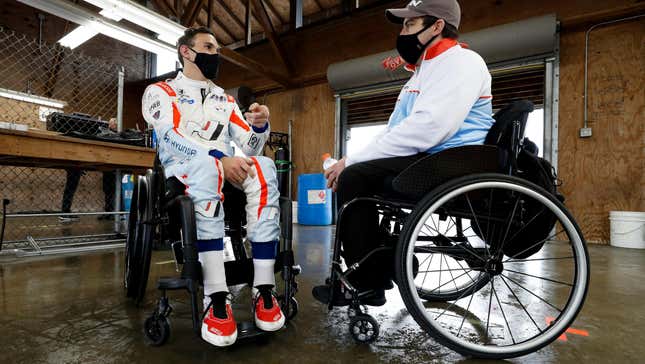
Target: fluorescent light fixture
[[77, 37], [23, 96], [142, 16], [110, 13], [79, 15]]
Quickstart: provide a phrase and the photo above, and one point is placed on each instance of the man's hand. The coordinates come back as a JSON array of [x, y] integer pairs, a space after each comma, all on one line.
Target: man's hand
[[258, 115], [236, 169], [333, 172]]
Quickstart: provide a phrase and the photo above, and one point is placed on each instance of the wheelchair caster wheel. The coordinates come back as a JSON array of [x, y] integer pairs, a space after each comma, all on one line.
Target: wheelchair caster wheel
[[364, 328], [289, 309], [157, 330]]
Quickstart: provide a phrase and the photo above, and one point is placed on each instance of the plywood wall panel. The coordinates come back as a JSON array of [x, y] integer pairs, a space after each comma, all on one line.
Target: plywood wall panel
[[604, 172], [311, 110]]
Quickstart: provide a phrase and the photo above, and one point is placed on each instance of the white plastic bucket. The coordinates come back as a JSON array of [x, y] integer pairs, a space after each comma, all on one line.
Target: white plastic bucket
[[627, 229]]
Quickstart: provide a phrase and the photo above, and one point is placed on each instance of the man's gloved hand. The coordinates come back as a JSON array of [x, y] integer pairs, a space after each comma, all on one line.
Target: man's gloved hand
[[258, 115], [236, 169]]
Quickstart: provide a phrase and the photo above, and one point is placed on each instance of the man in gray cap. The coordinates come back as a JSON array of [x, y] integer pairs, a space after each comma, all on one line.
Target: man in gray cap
[[445, 104]]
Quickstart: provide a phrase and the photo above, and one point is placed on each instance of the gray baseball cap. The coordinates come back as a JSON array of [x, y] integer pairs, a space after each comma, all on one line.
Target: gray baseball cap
[[447, 10]]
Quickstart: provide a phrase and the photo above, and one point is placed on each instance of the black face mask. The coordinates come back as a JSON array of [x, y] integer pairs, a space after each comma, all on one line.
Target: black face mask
[[409, 47], [208, 64]]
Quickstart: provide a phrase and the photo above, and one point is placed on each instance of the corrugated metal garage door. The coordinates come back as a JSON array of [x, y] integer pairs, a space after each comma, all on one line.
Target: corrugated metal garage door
[[508, 85]]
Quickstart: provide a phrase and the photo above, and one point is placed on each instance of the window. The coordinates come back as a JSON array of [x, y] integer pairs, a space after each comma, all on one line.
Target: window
[[166, 64]]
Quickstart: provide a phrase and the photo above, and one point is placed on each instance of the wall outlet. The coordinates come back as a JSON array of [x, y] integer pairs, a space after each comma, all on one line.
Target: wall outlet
[[585, 132]]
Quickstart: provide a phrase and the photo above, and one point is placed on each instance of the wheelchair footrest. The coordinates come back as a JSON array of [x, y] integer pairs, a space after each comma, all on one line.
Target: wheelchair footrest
[[247, 330], [172, 283]]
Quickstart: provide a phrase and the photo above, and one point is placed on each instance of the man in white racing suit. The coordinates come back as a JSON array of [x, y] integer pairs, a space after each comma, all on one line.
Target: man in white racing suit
[[195, 122]]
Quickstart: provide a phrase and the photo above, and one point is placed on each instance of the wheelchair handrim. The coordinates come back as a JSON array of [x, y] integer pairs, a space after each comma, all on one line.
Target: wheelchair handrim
[[576, 297]]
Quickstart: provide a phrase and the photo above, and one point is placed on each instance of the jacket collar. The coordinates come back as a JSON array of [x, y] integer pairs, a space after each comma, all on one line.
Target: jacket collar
[[434, 51], [189, 82]]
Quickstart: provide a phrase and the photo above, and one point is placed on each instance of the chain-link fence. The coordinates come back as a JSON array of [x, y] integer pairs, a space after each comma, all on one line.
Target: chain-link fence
[[49, 87]]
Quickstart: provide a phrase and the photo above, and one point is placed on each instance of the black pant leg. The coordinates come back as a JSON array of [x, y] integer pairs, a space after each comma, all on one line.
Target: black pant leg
[[359, 225], [109, 186], [71, 184]]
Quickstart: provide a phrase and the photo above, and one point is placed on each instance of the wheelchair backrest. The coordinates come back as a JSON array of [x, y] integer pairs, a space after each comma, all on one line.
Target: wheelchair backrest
[[508, 130]]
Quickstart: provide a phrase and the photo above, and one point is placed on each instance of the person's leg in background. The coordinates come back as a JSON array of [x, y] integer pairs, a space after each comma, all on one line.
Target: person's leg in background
[[73, 176], [109, 186], [263, 231]]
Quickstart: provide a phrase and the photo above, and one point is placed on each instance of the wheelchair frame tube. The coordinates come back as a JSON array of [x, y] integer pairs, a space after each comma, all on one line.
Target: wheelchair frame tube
[[335, 264]]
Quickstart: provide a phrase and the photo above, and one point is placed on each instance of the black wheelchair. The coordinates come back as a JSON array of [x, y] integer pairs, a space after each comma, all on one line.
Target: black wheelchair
[[161, 215], [486, 257]]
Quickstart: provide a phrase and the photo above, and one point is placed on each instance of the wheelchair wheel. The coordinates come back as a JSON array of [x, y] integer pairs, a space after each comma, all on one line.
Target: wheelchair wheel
[[364, 328], [525, 302], [156, 329], [139, 241], [132, 255]]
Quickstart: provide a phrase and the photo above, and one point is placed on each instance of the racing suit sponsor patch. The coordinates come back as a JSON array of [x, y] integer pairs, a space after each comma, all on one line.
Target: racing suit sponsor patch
[[154, 105], [182, 148], [254, 141]]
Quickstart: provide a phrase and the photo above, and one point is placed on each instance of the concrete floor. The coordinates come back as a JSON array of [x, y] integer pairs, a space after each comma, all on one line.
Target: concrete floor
[[71, 309]]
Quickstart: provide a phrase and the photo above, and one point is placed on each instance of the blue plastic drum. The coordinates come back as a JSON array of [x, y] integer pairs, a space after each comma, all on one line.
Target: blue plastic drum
[[314, 200], [127, 186]]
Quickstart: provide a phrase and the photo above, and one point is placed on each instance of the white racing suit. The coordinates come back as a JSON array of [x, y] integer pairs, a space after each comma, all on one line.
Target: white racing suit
[[195, 122]]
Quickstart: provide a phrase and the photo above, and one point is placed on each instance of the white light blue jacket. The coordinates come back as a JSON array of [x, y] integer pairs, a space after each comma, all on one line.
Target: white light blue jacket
[[446, 103]]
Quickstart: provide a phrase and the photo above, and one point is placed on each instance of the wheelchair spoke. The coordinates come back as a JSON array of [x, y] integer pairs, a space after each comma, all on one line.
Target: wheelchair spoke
[[529, 291], [490, 302], [536, 259], [490, 208], [536, 244], [426, 275], [450, 271], [470, 206], [447, 270], [538, 277], [508, 227], [502, 309], [441, 268], [459, 276], [471, 278], [467, 310], [451, 224], [520, 302], [459, 245], [527, 224], [470, 291]]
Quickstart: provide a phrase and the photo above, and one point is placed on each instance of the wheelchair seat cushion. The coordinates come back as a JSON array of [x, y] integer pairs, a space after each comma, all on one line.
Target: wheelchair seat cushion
[[435, 169]]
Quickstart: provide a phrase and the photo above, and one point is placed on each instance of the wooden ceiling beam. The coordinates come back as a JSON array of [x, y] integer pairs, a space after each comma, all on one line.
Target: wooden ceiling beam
[[320, 7], [270, 33], [231, 13], [275, 11], [191, 11], [164, 8], [256, 67], [222, 26]]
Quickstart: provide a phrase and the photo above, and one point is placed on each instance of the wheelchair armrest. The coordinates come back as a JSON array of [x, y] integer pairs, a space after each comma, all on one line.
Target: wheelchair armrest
[[435, 169]]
